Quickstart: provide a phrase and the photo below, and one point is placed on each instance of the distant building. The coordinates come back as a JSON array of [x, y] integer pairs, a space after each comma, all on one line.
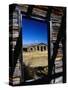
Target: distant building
[[35, 47]]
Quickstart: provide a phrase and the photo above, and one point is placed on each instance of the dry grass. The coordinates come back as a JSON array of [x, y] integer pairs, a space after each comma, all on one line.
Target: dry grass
[[35, 59]]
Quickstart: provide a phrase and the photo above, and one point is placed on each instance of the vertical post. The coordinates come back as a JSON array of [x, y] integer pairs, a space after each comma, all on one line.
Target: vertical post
[[39, 48], [35, 48], [43, 48], [64, 45], [49, 54]]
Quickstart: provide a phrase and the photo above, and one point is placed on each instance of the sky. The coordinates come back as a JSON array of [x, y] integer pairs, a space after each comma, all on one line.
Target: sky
[[33, 31]]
